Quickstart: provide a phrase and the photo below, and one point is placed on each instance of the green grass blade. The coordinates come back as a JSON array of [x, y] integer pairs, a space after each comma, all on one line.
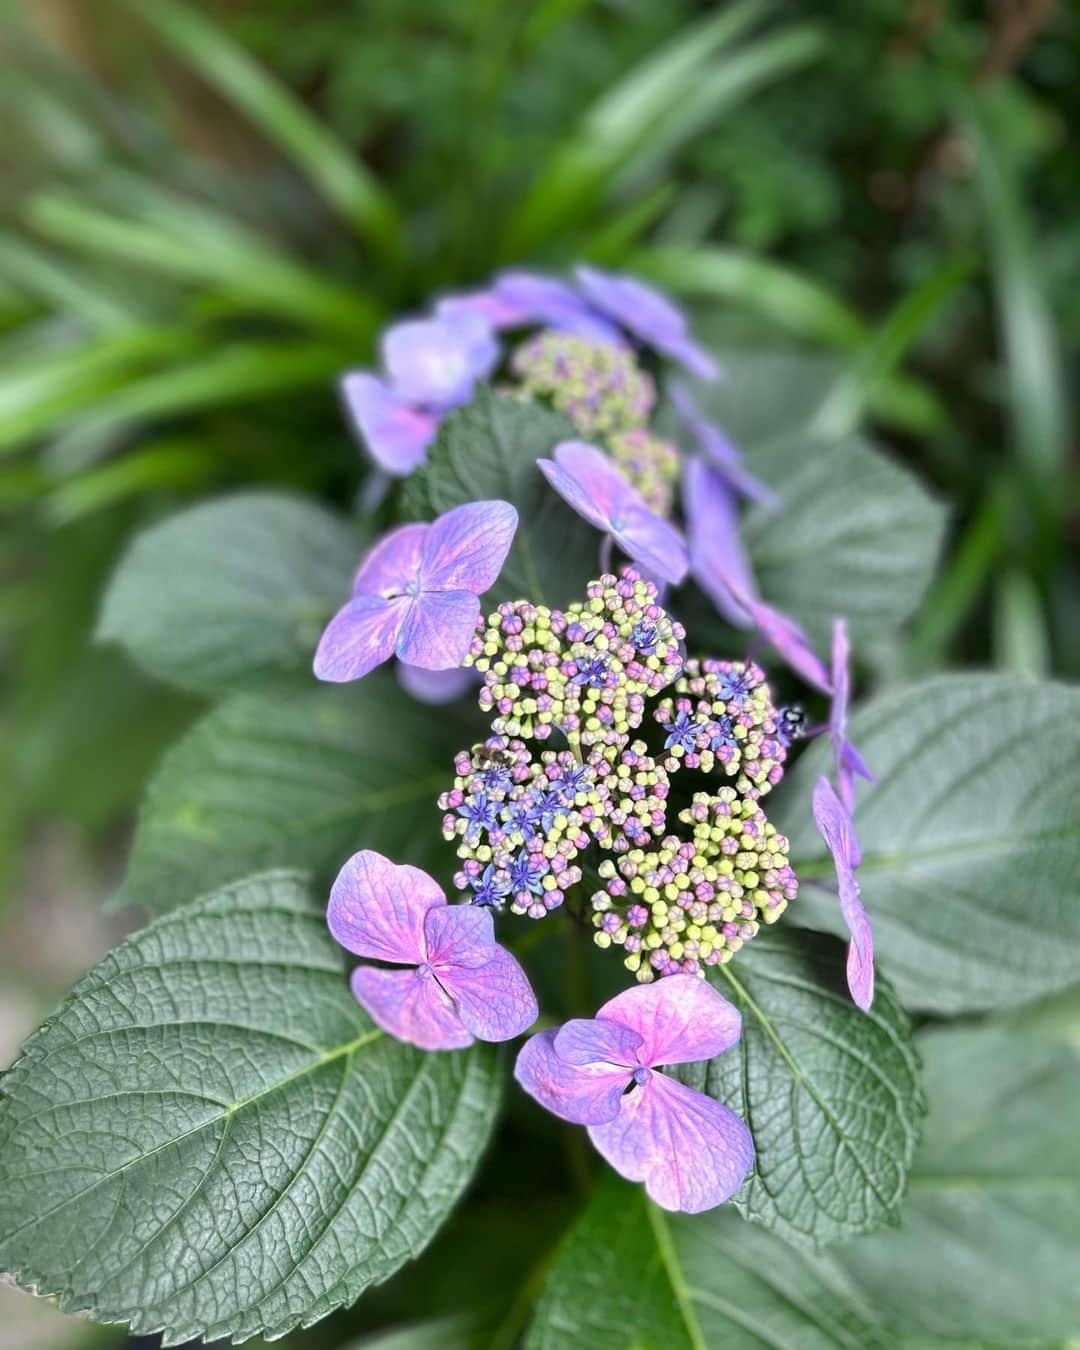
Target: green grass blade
[[190, 243], [339, 176], [1021, 642], [879, 356], [61, 286], [1037, 399]]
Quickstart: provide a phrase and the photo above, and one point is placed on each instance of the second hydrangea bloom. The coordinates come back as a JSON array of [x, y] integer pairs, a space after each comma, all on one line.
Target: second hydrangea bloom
[[605, 1073]]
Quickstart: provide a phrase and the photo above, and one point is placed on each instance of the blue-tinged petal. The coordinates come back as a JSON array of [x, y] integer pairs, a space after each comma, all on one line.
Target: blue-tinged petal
[[438, 629], [649, 315], [717, 557], [836, 827], [582, 1093], [430, 363], [395, 434], [393, 563], [544, 300], [360, 636], [678, 1019], [465, 549]]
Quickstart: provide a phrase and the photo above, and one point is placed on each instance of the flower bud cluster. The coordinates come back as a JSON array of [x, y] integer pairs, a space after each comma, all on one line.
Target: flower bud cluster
[[692, 903], [649, 463], [586, 671], [522, 814], [598, 385], [720, 716]]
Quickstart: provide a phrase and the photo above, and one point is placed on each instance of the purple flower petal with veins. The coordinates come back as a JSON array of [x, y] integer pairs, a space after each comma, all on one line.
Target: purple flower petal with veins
[[452, 982], [396, 434], [649, 315], [836, 827], [719, 451], [849, 763], [692, 1152], [586, 478], [545, 300], [415, 594]]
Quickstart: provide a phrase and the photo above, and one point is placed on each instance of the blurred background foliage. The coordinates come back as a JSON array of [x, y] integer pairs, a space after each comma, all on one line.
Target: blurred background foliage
[[209, 209]]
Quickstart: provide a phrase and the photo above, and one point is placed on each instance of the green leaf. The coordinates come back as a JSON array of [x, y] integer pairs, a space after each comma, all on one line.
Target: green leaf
[[631, 1275], [991, 1233], [489, 449], [969, 838], [855, 534], [341, 177], [209, 1138], [831, 1095], [299, 780], [231, 592]]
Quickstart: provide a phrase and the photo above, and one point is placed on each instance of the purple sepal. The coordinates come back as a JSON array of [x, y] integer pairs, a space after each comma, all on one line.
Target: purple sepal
[[717, 557], [396, 434], [649, 315], [415, 593], [691, 1152], [436, 687], [720, 452], [587, 479], [538, 299], [435, 363], [837, 829], [453, 981]]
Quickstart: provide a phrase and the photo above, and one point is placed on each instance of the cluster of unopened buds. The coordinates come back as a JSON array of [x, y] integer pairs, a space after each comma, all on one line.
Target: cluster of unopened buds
[[621, 779], [522, 816]]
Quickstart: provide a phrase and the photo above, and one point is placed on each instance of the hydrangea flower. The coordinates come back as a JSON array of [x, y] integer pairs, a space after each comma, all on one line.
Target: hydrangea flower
[[605, 1073], [719, 452], [848, 762], [593, 486], [648, 315], [415, 594], [451, 984], [432, 365], [836, 827], [545, 300]]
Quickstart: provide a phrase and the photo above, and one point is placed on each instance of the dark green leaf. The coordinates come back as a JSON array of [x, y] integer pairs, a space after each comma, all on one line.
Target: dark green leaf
[[990, 1244], [969, 839], [489, 449], [300, 780], [209, 1138], [831, 1095], [231, 592], [632, 1276]]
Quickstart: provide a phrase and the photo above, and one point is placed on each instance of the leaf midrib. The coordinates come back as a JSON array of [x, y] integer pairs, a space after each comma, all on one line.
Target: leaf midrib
[[226, 1114]]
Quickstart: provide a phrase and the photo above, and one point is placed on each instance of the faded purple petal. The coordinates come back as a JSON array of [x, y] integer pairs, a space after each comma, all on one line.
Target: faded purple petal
[[410, 1006], [377, 908], [458, 935], [717, 557], [545, 300], [598, 1040], [586, 1094], [587, 479], [435, 687], [680, 1019], [431, 362], [835, 824], [359, 637], [393, 562], [652, 542], [396, 435], [489, 305], [721, 452], [692, 1152], [649, 315], [466, 548], [495, 1000], [438, 629], [790, 641]]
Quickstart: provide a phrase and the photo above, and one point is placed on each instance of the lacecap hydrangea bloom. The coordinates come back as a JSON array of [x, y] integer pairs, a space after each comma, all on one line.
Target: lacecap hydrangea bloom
[[624, 776]]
